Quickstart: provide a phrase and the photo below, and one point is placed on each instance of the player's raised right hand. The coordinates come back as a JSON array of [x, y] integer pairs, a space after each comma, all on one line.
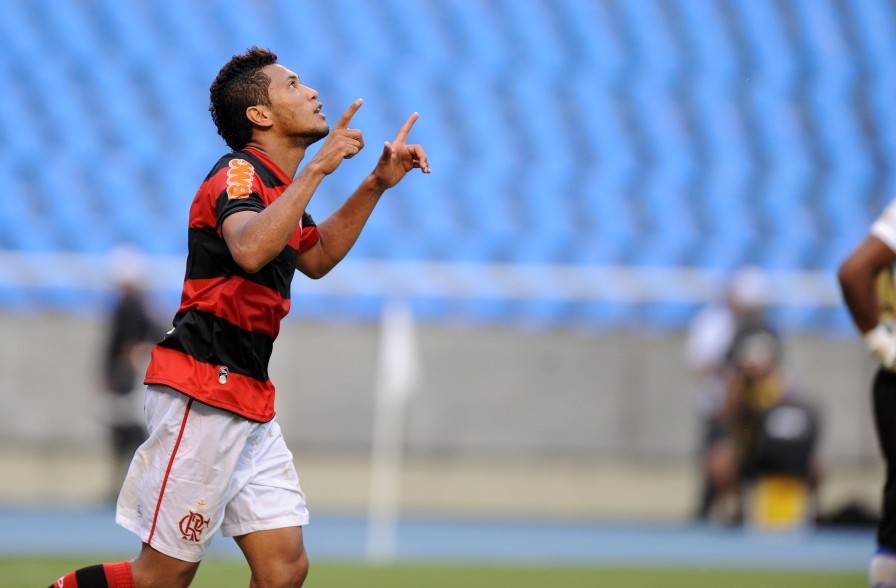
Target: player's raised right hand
[[342, 143]]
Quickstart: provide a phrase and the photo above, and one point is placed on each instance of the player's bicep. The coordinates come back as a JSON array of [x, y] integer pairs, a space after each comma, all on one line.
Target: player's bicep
[[233, 231]]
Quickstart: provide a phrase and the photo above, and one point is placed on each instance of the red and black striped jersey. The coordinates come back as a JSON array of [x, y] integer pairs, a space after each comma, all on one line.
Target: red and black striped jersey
[[224, 330]]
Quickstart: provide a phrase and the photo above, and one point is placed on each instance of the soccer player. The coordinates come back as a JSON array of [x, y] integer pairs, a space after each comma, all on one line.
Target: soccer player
[[215, 457], [131, 332], [866, 279]]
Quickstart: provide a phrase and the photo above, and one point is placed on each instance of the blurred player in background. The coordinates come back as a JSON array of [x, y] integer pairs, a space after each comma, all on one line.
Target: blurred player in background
[[130, 331], [866, 280], [762, 429], [709, 353], [215, 457], [753, 384]]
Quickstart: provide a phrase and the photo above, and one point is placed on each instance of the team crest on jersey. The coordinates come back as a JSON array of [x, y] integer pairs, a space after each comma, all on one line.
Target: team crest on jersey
[[192, 526], [240, 174]]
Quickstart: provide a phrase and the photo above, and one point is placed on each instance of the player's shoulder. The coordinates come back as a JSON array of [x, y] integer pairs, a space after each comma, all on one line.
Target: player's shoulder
[[231, 160], [249, 165], [236, 172]]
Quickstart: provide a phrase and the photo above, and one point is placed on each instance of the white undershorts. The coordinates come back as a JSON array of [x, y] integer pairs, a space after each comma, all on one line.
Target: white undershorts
[[204, 469]]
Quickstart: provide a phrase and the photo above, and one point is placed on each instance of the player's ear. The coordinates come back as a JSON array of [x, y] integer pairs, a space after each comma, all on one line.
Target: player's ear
[[259, 115]]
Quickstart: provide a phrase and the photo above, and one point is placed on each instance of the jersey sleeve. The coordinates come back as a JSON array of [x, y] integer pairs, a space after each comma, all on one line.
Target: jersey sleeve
[[237, 190], [884, 228], [309, 235]]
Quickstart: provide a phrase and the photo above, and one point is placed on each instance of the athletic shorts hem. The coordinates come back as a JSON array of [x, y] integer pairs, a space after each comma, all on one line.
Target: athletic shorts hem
[[270, 525], [131, 525], [134, 527], [187, 556]]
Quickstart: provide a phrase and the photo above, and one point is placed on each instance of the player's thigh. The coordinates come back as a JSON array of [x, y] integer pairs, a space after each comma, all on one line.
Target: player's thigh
[[276, 557], [154, 568]]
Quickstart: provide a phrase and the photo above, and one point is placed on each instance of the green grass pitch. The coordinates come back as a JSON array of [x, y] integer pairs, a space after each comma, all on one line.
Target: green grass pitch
[[41, 571]]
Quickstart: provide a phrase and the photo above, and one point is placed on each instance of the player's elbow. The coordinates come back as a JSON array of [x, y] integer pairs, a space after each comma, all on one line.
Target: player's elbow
[[315, 272], [248, 243], [249, 260], [250, 268], [849, 272], [843, 273], [316, 262]]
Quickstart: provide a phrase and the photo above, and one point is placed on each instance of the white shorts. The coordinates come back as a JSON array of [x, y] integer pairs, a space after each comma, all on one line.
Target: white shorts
[[204, 469]]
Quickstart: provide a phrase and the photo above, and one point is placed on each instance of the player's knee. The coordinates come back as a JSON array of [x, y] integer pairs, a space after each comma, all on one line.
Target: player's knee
[[290, 574], [298, 571], [302, 570]]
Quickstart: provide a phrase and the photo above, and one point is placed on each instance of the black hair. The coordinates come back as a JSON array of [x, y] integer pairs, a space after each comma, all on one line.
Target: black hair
[[239, 85]]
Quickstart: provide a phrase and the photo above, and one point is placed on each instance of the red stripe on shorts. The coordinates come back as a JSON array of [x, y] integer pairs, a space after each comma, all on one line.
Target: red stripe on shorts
[[180, 434]]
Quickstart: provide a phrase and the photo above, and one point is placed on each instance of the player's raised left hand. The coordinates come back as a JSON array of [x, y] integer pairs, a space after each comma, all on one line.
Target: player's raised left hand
[[398, 158]]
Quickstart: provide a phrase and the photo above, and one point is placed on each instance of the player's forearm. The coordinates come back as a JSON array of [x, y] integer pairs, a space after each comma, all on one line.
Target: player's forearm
[[340, 231]]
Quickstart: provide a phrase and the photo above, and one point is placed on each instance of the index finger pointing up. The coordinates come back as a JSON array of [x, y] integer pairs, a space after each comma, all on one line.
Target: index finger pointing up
[[402, 135], [348, 114]]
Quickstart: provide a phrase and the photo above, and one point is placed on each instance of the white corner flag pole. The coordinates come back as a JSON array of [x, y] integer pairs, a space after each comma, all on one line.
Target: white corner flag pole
[[397, 378]]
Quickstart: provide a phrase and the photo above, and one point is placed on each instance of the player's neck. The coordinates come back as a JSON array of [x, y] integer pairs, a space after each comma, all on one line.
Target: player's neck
[[286, 156]]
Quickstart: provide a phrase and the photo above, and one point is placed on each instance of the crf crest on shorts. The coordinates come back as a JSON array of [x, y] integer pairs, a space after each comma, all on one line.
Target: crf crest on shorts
[[192, 525]]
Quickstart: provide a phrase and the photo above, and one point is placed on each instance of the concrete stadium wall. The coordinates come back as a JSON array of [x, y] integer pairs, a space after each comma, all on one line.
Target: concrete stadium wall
[[485, 392]]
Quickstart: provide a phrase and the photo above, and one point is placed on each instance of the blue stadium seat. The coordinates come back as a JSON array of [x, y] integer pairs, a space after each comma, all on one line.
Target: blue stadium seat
[[20, 29], [22, 227], [666, 190], [415, 31], [708, 43], [875, 38], [654, 49], [593, 41], [70, 28]]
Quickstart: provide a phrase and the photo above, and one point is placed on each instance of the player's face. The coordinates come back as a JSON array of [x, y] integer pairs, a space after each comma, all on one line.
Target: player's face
[[296, 109]]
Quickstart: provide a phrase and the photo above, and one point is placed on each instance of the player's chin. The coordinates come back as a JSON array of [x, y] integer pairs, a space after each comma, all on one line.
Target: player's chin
[[317, 133]]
